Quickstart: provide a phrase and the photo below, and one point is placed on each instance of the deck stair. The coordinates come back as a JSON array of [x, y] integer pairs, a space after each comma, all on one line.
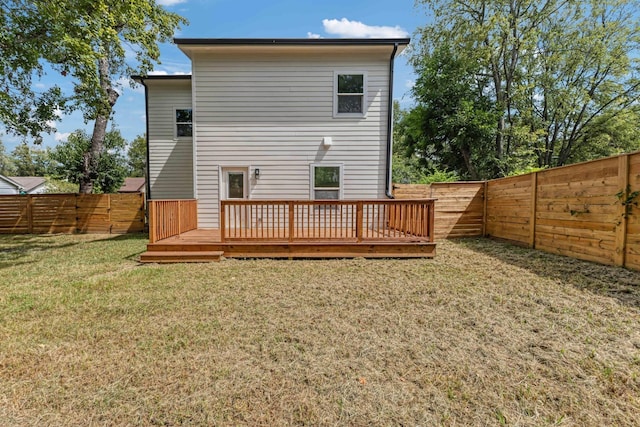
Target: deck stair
[[166, 257]]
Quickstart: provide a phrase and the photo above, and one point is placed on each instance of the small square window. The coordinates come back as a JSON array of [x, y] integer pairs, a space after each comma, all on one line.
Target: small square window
[[327, 182], [184, 122], [349, 94]]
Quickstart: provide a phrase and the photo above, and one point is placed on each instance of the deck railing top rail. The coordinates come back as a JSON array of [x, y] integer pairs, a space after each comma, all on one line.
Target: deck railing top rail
[[327, 220]]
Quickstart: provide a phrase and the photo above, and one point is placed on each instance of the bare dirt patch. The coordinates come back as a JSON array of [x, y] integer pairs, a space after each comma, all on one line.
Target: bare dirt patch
[[484, 334]]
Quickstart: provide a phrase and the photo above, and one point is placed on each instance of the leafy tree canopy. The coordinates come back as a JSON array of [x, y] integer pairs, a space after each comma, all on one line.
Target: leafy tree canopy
[[510, 85], [137, 156], [93, 43], [112, 170]]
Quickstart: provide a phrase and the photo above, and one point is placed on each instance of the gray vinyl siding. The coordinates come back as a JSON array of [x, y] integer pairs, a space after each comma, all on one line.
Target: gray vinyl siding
[[271, 112], [170, 158], [7, 188]]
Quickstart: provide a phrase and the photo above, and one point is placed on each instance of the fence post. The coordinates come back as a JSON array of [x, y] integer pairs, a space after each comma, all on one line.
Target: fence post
[[619, 255], [533, 209], [30, 213], [485, 197], [109, 213]]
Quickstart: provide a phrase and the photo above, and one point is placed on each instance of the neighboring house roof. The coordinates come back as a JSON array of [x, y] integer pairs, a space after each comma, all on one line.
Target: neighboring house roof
[[29, 183], [132, 185], [10, 181]]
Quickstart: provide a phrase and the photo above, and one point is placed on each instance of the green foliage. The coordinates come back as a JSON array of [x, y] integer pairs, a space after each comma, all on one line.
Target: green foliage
[[7, 168], [91, 43], [111, 171], [26, 36], [137, 156], [29, 161], [510, 85], [453, 124], [60, 186]]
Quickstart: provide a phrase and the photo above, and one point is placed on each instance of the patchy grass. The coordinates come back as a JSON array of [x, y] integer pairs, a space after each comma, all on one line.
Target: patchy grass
[[484, 334]]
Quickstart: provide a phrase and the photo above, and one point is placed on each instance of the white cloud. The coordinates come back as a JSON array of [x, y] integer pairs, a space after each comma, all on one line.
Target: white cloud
[[409, 84], [61, 137], [313, 36], [170, 2], [166, 73], [356, 29]]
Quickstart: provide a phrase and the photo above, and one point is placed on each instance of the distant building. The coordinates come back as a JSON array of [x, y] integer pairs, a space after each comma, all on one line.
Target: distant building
[[22, 185], [132, 185]]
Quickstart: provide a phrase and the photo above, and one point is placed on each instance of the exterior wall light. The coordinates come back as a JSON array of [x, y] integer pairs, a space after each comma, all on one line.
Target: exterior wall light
[[257, 173]]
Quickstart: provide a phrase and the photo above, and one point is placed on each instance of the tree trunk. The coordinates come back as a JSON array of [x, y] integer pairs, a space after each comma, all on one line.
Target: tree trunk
[[91, 158], [473, 172]]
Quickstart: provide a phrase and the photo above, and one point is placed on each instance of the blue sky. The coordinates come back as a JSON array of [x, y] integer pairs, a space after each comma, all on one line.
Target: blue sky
[[256, 18]]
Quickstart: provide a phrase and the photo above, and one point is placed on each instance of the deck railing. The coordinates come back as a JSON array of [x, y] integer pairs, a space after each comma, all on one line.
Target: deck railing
[[344, 220], [169, 218]]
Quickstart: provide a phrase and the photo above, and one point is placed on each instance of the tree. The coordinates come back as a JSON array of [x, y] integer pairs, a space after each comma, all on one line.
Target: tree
[[111, 170], [137, 156], [550, 69], [29, 161], [7, 168], [26, 36], [88, 41], [453, 124]]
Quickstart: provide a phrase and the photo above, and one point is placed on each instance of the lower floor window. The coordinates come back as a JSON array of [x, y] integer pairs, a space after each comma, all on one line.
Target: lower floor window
[[327, 182]]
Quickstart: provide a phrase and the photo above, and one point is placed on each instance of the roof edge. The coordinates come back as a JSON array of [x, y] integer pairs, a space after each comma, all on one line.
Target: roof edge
[[291, 42], [139, 79]]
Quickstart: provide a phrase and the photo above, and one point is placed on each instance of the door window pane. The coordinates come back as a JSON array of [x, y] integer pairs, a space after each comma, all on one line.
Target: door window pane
[[235, 185]]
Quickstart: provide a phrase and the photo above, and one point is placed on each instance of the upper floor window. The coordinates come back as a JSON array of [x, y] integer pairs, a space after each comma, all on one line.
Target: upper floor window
[[184, 122], [350, 94]]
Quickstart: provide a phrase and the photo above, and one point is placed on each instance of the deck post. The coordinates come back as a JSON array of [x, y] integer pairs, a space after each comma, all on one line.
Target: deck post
[[152, 221], [179, 217], [432, 220], [222, 221], [359, 221], [291, 220]]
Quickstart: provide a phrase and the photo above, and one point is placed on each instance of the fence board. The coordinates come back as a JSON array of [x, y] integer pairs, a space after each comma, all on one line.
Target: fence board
[[71, 213]]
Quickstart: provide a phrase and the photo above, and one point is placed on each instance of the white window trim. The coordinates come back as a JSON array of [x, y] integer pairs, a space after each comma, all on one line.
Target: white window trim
[[222, 182], [312, 188], [337, 115], [175, 122]]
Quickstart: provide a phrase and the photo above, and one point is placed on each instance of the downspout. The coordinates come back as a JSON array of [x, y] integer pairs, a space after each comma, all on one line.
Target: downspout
[[146, 137], [388, 183]]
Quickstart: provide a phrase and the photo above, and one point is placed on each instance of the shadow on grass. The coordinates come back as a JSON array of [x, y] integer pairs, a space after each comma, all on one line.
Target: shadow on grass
[[17, 246], [614, 282]]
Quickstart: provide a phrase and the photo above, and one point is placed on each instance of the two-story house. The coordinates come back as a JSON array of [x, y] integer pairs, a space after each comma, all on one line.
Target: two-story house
[[273, 119]]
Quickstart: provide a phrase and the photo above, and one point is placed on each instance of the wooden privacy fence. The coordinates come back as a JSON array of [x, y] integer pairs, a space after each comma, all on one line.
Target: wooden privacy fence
[[168, 218], [587, 210], [344, 220], [71, 213], [459, 206]]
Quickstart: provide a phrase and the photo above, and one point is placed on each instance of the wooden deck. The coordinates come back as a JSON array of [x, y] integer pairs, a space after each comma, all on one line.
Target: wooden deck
[[292, 229]]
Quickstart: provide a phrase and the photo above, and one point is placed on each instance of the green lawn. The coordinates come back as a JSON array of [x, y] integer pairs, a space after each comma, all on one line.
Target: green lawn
[[484, 334]]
